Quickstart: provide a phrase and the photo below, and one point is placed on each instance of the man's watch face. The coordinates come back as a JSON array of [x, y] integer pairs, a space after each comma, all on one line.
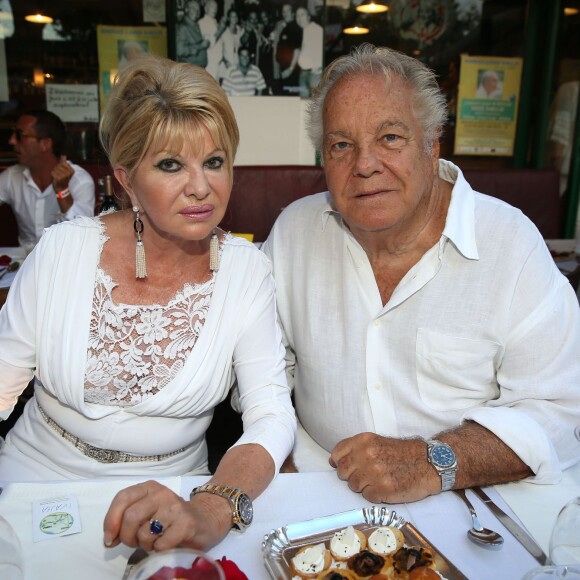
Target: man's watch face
[[443, 456], [245, 509]]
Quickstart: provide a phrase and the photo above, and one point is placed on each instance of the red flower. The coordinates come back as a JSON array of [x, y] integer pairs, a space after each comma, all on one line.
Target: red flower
[[199, 570], [231, 570]]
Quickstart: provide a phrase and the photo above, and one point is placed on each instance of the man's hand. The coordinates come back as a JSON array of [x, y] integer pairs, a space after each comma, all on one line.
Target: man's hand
[[385, 470], [61, 174]]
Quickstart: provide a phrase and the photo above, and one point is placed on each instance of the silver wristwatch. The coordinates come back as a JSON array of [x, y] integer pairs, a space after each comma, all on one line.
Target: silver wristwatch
[[442, 458], [241, 504]]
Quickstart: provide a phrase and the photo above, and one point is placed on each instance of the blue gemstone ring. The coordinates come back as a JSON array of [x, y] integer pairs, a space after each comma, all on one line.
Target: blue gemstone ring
[[155, 527]]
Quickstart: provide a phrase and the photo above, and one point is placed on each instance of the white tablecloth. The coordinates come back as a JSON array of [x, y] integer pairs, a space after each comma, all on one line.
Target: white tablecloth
[[291, 498], [81, 555], [539, 516]]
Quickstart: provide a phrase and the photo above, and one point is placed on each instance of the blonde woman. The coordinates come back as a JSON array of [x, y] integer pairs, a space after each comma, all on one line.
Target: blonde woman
[[136, 323]]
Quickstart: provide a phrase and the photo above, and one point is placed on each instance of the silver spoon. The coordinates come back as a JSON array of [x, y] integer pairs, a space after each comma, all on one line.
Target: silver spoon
[[478, 533]]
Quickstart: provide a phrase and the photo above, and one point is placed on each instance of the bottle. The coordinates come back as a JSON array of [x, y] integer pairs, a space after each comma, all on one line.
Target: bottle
[[107, 195]]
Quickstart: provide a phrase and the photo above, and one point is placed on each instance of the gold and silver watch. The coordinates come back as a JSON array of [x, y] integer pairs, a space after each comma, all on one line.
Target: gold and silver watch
[[241, 504]]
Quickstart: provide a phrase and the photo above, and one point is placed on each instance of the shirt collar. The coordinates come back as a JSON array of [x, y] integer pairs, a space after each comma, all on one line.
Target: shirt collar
[[328, 211], [31, 183], [460, 221]]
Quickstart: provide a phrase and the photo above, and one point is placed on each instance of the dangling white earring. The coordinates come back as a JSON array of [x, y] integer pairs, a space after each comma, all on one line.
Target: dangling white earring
[[140, 265], [214, 253]]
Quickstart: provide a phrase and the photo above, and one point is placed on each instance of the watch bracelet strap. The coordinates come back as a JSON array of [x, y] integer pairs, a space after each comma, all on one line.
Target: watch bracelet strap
[[447, 477], [230, 493], [216, 489], [447, 480]]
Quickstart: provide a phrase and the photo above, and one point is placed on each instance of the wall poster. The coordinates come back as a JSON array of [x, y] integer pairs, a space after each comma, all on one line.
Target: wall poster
[[251, 47], [487, 105], [73, 103], [117, 45]]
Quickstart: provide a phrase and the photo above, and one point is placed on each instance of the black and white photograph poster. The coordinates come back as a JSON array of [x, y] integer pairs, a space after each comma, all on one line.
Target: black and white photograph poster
[[252, 47]]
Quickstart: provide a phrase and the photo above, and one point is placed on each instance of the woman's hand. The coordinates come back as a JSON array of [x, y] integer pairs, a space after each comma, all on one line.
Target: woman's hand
[[200, 523]]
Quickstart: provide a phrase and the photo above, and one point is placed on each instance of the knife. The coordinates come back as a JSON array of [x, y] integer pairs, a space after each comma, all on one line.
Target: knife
[[136, 557], [516, 530]]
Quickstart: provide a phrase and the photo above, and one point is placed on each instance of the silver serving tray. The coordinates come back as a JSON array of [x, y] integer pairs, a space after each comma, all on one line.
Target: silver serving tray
[[281, 544]]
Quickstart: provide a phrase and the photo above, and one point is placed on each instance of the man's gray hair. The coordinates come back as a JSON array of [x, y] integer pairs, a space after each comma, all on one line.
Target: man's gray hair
[[429, 103]]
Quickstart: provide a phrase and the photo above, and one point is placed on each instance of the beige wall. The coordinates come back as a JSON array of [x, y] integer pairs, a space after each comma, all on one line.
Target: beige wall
[[272, 131]]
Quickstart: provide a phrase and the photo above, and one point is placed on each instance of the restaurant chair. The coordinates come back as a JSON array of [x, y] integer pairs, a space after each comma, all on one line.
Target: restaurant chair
[[8, 227], [225, 429], [28, 392], [574, 278]]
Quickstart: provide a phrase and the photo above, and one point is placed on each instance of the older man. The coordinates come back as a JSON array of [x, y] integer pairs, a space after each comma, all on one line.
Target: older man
[[191, 46], [43, 188], [431, 341]]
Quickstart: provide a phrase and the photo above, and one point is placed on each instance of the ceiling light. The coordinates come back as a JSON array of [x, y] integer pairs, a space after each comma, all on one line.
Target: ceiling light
[[38, 18], [356, 30], [571, 11], [371, 7]]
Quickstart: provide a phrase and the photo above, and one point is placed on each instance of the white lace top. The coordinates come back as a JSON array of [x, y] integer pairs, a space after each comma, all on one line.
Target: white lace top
[[239, 340], [134, 351]]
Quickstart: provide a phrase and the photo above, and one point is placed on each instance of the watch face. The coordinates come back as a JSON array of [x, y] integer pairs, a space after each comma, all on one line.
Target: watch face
[[443, 456], [245, 509]]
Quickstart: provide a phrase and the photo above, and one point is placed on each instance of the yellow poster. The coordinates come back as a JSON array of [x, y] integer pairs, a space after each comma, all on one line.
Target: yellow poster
[[487, 105], [120, 44]]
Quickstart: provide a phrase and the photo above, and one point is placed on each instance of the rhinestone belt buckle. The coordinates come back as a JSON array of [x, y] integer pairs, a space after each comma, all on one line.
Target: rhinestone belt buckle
[[103, 455]]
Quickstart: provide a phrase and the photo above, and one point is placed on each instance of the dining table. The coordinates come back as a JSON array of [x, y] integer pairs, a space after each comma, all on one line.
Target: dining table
[[291, 498]]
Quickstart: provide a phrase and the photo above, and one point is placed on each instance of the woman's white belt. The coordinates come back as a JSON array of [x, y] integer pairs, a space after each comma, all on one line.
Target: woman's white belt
[[102, 455]]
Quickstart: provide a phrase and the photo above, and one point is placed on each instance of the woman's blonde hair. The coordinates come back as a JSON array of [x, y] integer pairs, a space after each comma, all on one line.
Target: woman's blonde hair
[[156, 102]]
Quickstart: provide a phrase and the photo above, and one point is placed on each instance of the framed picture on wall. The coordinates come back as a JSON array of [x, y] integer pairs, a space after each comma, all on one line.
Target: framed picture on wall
[[118, 45], [252, 47]]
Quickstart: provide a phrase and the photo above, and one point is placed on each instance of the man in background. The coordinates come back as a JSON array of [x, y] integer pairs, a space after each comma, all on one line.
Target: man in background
[[43, 188], [287, 43], [191, 45], [211, 30], [311, 51], [561, 135], [252, 37], [245, 79]]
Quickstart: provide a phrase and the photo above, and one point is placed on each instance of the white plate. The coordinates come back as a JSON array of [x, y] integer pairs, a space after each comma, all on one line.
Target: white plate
[[281, 544]]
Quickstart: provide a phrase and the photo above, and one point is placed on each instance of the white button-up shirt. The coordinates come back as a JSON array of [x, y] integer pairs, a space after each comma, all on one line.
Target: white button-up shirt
[[34, 209], [484, 327]]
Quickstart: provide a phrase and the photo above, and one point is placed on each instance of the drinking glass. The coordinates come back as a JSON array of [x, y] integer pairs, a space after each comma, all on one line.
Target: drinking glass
[[553, 573], [565, 539], [197, 566], [564, 547]]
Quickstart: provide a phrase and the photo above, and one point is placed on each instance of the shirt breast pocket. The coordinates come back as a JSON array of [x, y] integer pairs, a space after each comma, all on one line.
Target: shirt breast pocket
[[455, 373]]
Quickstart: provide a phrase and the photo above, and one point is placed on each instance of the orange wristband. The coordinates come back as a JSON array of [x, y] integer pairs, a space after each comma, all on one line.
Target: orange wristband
[[62, 194]]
